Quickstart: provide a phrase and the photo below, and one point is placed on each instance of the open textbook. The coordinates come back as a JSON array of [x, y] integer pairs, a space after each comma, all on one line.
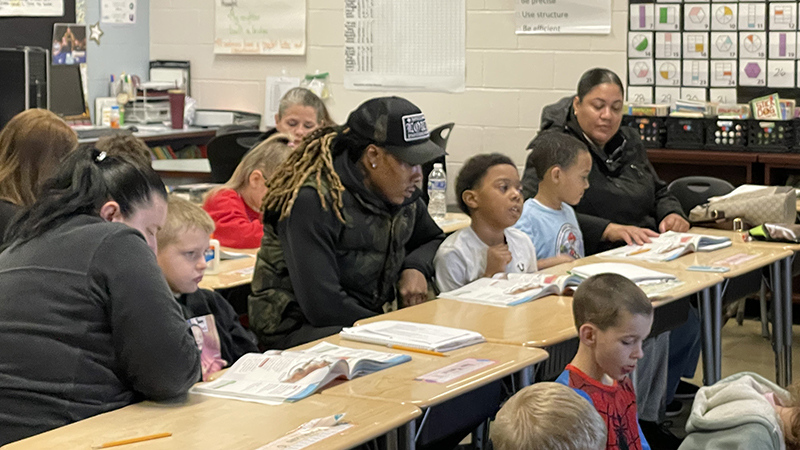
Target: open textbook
[[275, 377], [415, 335], [652, 282], [668, 246], [524, 287], [514, 289]]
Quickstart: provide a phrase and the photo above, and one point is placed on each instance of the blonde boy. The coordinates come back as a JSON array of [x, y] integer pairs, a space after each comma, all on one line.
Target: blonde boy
[[548, 416], [613, 317], [563, 164], [182, 244]]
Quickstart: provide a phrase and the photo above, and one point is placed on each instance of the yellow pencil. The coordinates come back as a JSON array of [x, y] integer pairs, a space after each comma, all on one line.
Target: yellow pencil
[[133, 440], [416, 350], [638, 252]]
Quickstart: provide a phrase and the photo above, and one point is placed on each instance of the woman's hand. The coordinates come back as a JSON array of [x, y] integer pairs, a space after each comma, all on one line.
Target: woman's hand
[[673, 222], [615, 232], [413, 287]]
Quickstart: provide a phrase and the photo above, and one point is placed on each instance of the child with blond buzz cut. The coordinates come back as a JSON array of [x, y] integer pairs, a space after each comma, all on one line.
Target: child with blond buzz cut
[[613, 316], [548, 416], [182, 244]]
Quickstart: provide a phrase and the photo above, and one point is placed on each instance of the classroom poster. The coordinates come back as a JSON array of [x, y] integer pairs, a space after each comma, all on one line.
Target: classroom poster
[[260, 27], [417, 45], [37, 8], [118, 11], [564, 16]]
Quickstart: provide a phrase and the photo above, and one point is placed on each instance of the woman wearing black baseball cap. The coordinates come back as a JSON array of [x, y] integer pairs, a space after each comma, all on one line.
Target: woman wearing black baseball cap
[[344, 226]]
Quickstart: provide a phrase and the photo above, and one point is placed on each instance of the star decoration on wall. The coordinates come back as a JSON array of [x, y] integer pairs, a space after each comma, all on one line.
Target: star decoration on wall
[[95, 32]]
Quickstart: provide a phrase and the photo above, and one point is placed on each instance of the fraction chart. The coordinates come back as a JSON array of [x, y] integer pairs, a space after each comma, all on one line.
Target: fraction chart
[[706, 49]]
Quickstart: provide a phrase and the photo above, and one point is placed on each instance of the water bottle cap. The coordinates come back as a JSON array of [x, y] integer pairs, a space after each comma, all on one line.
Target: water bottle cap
[[437, 165]]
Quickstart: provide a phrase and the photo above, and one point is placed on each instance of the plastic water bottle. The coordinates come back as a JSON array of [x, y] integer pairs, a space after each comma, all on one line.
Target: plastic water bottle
[[212, 256], [437, 186]]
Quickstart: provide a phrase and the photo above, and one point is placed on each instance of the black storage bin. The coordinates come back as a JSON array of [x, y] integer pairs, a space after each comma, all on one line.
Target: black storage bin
[[726, 134], [685, 133], [775, 136], [652, 130]]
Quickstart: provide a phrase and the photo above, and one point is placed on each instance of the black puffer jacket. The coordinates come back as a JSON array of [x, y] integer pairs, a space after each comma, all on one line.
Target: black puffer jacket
[[623, 186]]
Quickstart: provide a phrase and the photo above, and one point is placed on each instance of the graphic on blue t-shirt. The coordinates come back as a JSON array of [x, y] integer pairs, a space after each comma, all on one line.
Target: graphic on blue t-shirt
[[568, 242]]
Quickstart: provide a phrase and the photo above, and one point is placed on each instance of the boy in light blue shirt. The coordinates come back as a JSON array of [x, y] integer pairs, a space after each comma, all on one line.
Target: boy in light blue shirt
[[563, 164]]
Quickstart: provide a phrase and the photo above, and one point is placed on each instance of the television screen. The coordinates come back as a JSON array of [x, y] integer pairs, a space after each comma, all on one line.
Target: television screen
[[66, 91]]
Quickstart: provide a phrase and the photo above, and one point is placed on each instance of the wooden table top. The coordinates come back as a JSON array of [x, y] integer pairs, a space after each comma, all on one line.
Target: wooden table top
[[232, 272], [398, 384], [539, 323], [737, 238], [201, 422]]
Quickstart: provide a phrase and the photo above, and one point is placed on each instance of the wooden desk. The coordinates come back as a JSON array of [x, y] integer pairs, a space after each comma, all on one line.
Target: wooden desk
[[233, 272], [398, 384], [540, 323], [781, 283], [543, 322], [156, 134], [205, 423], [454, 221]]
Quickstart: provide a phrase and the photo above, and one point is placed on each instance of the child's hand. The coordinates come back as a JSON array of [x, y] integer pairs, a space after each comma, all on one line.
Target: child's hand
[[497, 258]]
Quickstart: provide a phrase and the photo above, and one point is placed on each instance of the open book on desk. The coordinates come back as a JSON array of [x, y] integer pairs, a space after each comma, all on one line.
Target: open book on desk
[[414, 335], [652, 282], [514, 289], [668, 246], [276, 377]]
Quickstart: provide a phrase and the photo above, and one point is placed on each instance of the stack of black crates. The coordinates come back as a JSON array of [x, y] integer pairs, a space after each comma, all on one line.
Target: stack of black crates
[[774, 136]]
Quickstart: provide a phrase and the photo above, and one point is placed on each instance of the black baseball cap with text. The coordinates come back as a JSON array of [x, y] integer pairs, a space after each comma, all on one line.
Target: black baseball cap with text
[[397, 125]]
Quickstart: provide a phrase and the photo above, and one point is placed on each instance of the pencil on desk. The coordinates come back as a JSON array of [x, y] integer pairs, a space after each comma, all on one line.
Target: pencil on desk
[[638, 252], [133, 440], [415, 350]]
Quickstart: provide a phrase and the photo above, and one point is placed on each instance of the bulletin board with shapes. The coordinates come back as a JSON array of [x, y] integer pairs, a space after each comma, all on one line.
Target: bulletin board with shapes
[[726, 51]]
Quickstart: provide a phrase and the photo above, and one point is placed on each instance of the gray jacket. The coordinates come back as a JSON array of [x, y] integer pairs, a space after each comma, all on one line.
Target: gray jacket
[[87, 325], [734, 414]]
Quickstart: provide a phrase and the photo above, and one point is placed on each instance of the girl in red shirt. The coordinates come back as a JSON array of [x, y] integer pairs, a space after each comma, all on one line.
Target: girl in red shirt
[[236, 206]]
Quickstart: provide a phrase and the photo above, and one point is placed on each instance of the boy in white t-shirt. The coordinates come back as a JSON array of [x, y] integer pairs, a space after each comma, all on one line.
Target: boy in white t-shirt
[[490, 192], [563, 164]]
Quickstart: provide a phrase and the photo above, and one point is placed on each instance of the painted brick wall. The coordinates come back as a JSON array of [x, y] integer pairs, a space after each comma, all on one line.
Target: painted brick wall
[[509, 78]]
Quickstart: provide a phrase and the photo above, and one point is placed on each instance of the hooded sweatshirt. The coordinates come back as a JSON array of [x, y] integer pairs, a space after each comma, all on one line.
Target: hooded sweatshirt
[[623, 186], [734, 414]]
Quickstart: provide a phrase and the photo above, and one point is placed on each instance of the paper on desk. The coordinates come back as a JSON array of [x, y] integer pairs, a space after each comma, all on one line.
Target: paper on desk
[[309, 433], [455, 370], [226, 255]]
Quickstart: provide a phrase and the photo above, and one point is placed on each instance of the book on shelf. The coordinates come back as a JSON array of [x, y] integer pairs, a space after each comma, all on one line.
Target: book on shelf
[[669, 246], [414, 335], [513, 288], [276, 377], [767, 107]]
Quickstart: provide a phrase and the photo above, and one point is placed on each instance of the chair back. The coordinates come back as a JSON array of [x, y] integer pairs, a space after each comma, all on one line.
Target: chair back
[[225, 153], [693, 191], [439, 136]]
